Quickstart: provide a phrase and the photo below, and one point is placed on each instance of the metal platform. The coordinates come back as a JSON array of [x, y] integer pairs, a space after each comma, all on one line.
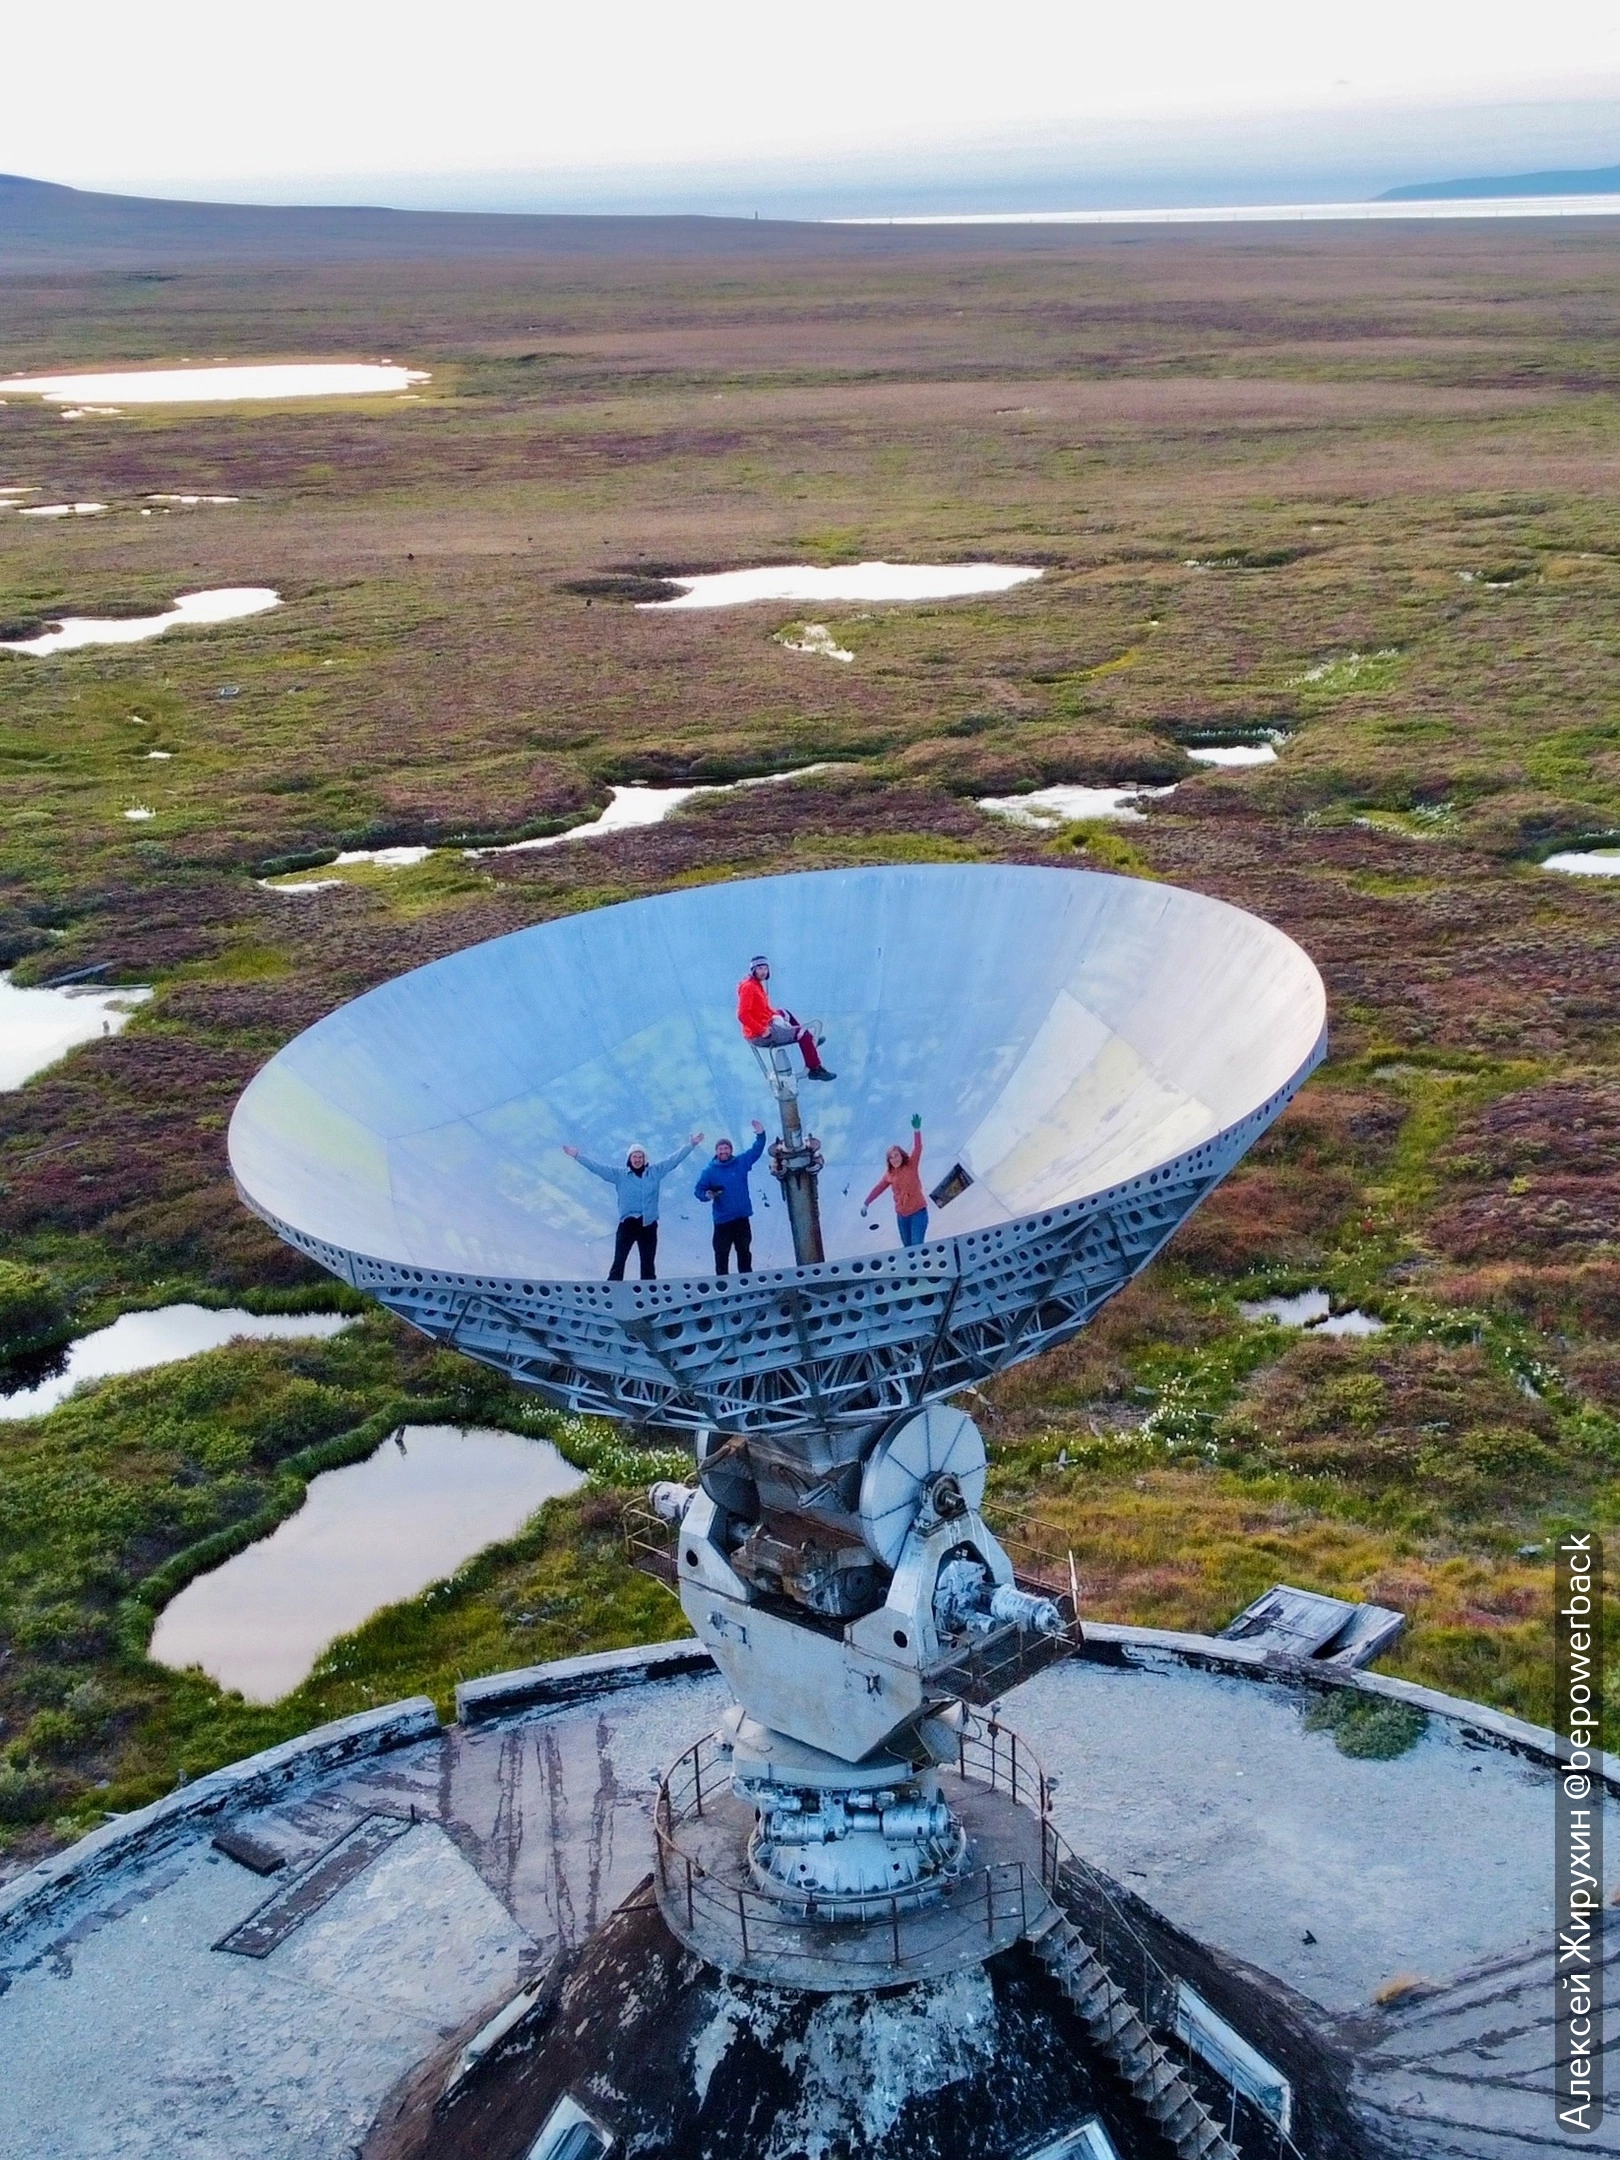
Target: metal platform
[[712, 1903]]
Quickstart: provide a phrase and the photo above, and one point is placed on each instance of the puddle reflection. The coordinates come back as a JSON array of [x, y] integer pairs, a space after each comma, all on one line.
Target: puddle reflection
[[139, 1340], [366, 1536]]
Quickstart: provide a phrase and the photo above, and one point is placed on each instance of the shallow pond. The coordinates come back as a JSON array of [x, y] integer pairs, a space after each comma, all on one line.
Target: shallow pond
[[1350, 1323], [39, 1026], [628, 808], [1588, 862], [852, 581], [633, 806], [1061, 805], [218, 385], [1311, 1309], [366, 1536], [137, 1341], [228, 604]]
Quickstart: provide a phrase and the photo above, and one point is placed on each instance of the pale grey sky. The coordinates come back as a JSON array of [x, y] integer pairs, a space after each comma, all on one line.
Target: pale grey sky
[[293, 97]]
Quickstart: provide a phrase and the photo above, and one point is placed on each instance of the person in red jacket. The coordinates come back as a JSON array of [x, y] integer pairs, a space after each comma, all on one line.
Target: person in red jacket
[[901, 1177], [772, 1027]]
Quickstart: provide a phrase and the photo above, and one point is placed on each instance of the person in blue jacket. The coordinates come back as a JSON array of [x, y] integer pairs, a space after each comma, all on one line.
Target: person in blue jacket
[[725, 1182], [636, 1187]]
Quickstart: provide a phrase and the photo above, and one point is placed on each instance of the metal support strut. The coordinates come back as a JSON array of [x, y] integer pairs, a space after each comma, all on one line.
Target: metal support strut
[[796, 1160]]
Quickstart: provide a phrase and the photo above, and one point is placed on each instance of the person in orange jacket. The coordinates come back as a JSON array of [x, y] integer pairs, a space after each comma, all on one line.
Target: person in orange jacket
[[772, 1027], [901, 1177]]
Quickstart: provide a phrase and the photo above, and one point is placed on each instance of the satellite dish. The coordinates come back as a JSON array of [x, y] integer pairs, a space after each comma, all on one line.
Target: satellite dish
[[904, 1470], [1088, 1054]]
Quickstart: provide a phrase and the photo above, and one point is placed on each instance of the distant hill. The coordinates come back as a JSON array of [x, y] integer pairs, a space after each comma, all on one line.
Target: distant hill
[[1604, 180], [43, 225]]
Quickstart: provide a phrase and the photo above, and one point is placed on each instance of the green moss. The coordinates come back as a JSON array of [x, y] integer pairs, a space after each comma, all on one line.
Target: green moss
[[1368, 1728], [33, 1311], [1104, 846]]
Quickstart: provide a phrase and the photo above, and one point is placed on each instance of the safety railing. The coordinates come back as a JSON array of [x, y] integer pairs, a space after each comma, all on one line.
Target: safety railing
[[1040, 1552], [982, 1908], [987, 1907], [1086, 1897], [649, 1542], [990, 1753]]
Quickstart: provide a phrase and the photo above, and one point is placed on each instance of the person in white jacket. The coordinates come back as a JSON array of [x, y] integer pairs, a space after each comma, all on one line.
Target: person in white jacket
[[636, 1187]]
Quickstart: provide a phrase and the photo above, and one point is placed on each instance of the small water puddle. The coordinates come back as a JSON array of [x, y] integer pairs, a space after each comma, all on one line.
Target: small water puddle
[[851, 581], [218, 385], [39, 1026], [1052, 806], [84, 509], [227, 604], [1587, 862], [1311, 1309], [383, 858], [634, 806], [137, 1341], [366, 1536], [1350, 1323], [628, 808], [1234, 754]]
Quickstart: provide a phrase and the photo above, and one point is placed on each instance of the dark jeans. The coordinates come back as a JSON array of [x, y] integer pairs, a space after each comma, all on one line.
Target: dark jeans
[[913, 1228], [734, 1237], [644, 1237]]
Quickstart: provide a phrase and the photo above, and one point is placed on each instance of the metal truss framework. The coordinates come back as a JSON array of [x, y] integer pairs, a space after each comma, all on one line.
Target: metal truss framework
[[836, 1349]]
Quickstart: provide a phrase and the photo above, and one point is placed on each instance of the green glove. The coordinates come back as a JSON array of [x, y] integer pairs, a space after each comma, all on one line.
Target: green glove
[[916, 1122]]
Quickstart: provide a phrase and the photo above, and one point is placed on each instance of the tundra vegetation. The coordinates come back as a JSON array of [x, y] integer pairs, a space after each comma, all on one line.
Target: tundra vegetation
[[1357, 488]]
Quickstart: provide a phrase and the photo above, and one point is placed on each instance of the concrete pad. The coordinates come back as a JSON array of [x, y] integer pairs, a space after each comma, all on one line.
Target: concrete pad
[[130, 2038], [1208, 1797]]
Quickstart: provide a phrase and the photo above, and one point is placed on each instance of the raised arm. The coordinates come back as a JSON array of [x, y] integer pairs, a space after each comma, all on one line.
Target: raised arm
[[752, 1155], [597, 1169], [661, 1170]]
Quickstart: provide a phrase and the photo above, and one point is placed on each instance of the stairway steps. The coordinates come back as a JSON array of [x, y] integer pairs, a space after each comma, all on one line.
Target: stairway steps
[[1123, 2035], [1158, 2076], [1203, 2141]]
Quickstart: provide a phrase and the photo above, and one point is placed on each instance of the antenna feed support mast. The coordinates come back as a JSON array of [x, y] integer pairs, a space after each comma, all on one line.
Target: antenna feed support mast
[[796, 1160]]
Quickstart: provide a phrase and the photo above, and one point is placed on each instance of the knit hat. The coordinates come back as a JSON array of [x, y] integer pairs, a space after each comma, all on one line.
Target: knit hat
[[759, 960]]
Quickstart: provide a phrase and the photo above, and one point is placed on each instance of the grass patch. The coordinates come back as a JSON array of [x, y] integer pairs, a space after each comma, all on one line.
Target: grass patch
[[1366, 1727]]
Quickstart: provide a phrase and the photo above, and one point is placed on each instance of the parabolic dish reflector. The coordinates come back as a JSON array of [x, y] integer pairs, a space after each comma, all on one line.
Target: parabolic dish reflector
[[1090, 1053]]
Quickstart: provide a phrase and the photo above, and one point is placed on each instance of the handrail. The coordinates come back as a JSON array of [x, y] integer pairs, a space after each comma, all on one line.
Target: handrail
[[649, 1541], [987, 1901], [989, 1754], [1159, 1987]]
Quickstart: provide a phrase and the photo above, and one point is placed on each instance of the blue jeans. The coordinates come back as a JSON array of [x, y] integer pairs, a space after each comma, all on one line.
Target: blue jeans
[[913, 1228]]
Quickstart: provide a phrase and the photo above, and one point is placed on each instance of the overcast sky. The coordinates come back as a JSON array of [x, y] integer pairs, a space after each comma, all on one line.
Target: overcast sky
[[295, 95]]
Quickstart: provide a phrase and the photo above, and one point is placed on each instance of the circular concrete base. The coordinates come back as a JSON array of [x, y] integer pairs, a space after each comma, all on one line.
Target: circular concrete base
[[712, 1904]]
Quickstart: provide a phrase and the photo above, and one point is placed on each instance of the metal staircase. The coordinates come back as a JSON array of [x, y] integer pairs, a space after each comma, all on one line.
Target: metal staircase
[[1119, 2031]]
